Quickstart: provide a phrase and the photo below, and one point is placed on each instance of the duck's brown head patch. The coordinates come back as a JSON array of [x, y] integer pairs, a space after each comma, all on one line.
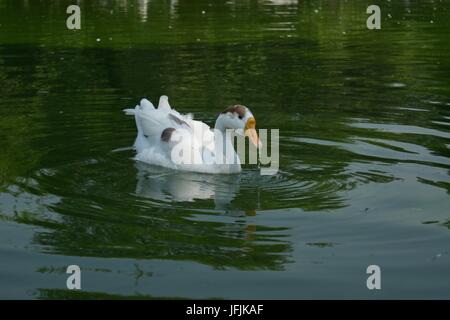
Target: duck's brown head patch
[[238, 109]]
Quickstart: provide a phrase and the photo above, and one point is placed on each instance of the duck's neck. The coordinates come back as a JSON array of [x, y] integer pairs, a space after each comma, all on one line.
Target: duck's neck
[[224, 149]]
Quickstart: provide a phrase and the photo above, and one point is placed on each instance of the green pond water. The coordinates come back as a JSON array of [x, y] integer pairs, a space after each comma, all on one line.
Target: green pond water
[[364, 120]]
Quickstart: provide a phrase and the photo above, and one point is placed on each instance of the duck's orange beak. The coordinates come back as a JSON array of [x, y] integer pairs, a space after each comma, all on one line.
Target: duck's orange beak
[[250, 132]]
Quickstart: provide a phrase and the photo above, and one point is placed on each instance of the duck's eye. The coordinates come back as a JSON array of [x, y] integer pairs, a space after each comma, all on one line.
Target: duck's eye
[[240, 117]]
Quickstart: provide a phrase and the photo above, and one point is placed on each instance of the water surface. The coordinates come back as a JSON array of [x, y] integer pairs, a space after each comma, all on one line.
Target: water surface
[[364, 119]]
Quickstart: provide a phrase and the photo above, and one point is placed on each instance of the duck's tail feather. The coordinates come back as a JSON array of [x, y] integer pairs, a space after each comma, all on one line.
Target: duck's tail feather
[[163, 104], [149, 121], [144, 106]]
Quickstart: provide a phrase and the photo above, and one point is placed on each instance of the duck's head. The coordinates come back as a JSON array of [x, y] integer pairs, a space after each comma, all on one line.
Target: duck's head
[[241, 119]]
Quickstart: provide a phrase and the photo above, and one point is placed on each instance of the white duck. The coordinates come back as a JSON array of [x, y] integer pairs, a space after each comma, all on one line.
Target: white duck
[[169, 139]]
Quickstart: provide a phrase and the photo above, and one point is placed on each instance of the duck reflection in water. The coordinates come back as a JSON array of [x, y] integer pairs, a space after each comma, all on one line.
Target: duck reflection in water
[[165, 185]]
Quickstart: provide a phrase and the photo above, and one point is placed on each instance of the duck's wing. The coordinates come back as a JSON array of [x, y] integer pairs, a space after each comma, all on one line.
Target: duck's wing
[[200, 130], [151, 121]]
